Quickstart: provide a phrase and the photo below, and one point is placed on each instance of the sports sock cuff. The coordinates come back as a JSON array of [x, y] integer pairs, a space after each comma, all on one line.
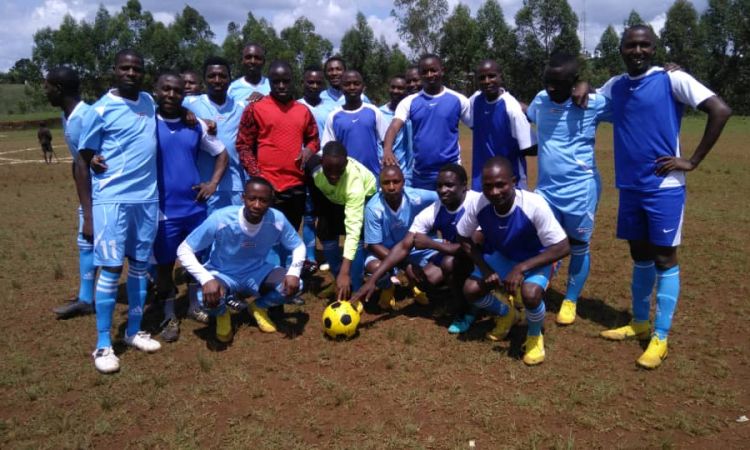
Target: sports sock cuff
[[579, 249], [672, 271], [643, 264], [536, 314]]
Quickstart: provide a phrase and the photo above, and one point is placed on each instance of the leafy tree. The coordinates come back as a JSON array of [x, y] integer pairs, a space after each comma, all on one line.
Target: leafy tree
[[496, 38], [460, 48], [357, 44], [231, 48], [420, 23], [607, 61], [681, 36], [305, 46], [25, 71], [634, 19]]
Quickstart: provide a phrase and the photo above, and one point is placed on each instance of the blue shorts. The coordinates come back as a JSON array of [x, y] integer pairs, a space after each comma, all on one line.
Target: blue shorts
[[171, 233], [575, 207], [417, 257], [654, 216], [82, 242], [221, 199], [424, 181], [244, 286], [124, 230], [502, 265]]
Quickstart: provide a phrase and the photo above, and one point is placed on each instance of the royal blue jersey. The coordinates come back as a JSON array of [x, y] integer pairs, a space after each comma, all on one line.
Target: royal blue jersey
[[437, 217], [499, 128], [124, 133], [238, 247], [524, 232], [388, 227], [646, 116], [227, 118], [402, 145], [566, 133], [361, 131], [177, 165], [73, 127], [435, 128], [240, 89]]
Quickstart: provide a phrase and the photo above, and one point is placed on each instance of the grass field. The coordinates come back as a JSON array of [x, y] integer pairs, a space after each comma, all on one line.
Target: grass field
[[404, 382], [11, 108]]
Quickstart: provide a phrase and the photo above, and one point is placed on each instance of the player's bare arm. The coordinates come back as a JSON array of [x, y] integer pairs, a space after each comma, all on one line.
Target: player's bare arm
[[389, 158]]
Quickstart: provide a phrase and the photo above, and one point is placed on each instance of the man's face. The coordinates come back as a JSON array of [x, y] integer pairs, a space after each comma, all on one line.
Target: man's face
[[253, 59], [499, 187], [450, 190], [397, 89], [637, 50], [54, 96], [333, 168], [392, 183], [559, 82], [351, 84], [334, 69], [489, 79], [413, 82], [217, 79], [280, 79], [128, 73], [431, 74], [313, 83], [192, 83], [170, 90], [257, 198]]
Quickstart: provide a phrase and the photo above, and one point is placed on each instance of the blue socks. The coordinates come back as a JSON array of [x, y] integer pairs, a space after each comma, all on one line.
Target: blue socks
[[106, 294], [137, 285], [667, 292], [87, 272], [308, 236], [644, 277], [535, 319], [491, 304], [578, 272]]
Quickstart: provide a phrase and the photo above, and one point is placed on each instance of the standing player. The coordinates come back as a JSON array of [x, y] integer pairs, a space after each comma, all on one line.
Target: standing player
[[568, 177], [63, 89], [182, 196], [499, 126], [413, 81], [220, 108], [334, 69], [121, 127], [402, 145], [434, 113], [342, 188], [523, 240], [647, 106], [357, 125], [388, 216], [253, 85], [240, 238], [44, 136], [193, 84]]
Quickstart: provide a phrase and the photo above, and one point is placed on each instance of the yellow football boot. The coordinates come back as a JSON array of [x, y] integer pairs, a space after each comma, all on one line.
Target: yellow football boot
[[260, 315], [387, 299], [534, 346], [654, 354], [420, 296], [503, 324], [633, 330], [224, 327], [567, 314]]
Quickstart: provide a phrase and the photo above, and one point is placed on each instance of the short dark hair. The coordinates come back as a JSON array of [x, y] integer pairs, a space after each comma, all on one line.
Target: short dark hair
[[65, 78], [642, 27], [275, 64], [254, 44], [427, 56], [392, 167], [499, 161], [217, 61], [334, 58], [334, 148], [313, 68], [559, 59], [396, 77], [260, 180], [127, 52], [168, 73], [456, 169], [190, 71]]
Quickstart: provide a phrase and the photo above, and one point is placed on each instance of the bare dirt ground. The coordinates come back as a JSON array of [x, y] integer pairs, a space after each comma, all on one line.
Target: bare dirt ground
[[404, 382]]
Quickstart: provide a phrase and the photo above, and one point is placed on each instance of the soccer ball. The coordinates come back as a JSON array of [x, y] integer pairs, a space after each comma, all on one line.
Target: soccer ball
[[340, 320]]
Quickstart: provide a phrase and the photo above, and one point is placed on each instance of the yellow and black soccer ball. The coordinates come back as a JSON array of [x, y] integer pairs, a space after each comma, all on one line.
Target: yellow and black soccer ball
[[340, 320]]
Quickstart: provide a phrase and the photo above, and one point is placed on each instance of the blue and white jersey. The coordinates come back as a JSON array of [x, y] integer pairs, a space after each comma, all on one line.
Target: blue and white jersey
[[73, 127], [524, 232], [437, 217], [320, 112], [227, 118], [238, 248], [402, 145], [240, 89], [124, 133], [435, 128], [647, 114], [177, 165], [566, 136], [336, 97], [361, 131], [388, 227], [499, 128]]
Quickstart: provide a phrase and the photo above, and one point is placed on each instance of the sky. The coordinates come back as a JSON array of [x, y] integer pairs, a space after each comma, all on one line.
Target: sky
[[19, 19]]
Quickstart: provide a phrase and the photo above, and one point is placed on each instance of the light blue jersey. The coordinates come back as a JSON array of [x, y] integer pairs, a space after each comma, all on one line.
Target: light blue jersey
[[240, 89], [402, 145], [124, 133], [321, 111], [239, 248], [227, 118], [388, 227], [336, 97], [73, 127], [361, 131]]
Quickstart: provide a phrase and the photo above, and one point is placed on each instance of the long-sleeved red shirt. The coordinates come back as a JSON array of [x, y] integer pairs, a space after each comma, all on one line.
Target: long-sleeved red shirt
[[270, 138]]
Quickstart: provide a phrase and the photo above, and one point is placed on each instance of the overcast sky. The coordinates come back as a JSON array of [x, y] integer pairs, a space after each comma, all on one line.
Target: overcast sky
[[20, 18]]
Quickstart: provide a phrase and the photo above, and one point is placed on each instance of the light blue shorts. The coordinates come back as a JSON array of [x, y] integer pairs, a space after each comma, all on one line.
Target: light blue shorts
[[124, 230], [575, 207], [418, 257], [502, 265]]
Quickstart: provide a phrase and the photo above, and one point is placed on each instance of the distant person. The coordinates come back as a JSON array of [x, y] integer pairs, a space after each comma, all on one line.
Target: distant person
[[44, 136], [63, 89], [193, 83], [252, 86], [334, 69], [402, 146], [413, 80]]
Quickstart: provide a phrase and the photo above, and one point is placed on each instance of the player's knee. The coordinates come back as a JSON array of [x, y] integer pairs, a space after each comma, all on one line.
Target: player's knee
[[433, 274], [372, 266], [665, 260], [472, 290], [532, 294]]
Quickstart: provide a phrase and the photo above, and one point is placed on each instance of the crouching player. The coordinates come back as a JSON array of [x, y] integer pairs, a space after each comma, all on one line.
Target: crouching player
[[240, 238], [524, 239], [388, 216], [449, 264]]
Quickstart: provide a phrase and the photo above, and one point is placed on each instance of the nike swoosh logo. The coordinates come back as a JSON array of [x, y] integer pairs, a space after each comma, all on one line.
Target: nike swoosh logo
[[355, 120], [668, 231]]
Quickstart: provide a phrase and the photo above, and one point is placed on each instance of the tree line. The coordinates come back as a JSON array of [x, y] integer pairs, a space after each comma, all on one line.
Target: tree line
[[713, 46]]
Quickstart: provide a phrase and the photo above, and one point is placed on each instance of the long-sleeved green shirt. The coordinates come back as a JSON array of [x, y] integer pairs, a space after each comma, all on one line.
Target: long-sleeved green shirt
[[355, 186]]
